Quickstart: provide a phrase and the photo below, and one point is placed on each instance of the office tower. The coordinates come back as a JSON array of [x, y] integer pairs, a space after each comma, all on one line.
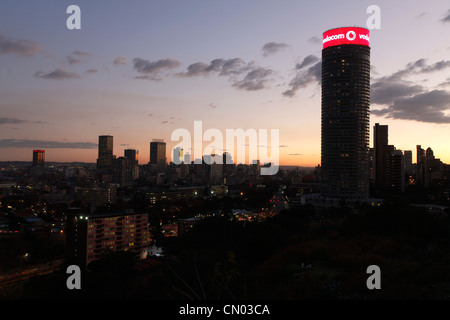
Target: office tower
[[177, 155], [408, 161], [345, 113], [380, 142], [133, 163], [433, 171], [420, 168], [106, 158], [394, 180], [38, 158], [187, 158], [158, 154], [121, 174]]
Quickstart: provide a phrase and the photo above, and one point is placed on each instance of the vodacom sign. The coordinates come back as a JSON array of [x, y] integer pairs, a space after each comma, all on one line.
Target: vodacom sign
[[351, 35]]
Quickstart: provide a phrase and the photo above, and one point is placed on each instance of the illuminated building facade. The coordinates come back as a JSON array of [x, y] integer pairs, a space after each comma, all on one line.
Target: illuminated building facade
[[90, 236], [345, 113]]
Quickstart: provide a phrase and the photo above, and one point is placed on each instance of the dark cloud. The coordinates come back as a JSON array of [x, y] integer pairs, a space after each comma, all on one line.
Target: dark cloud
[[58, 74], [152, 70], [255, 79], [17, 121], [19, 47], [271, 48], [212, 105], [446, 18], [305, 77], [74, 60], [24, 143], [91, 71], [387, 91], [120, 61], [400, 98], [223, 67], [307, 61], [11, 121], [425, 107]]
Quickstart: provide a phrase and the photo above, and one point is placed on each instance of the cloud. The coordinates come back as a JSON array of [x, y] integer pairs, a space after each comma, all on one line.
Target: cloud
[[305, 77], [11, 121], [421, 15], [19, 47], [307, 61], [295, 154], [58, 74], [271, 48], [91, 71], [120, 61], [387, 91], [72, 60], [25, 143], [152, 70], [425, 107], [222, 67], [212, 105], [80, 53], [447, 17], [18, 121], [315, 40], [400, 98], [255, 79]]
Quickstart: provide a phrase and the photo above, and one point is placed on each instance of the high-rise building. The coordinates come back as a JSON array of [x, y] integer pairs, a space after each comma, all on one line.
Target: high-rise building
[[408, 161], [105, 160], [38, 158], [380, 142], [394, 180], [133, 164], [345, 113], [158, 154], [420, 167]]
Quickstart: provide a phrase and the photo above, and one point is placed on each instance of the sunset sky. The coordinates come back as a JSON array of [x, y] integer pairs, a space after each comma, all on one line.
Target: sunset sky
[[138, 70]]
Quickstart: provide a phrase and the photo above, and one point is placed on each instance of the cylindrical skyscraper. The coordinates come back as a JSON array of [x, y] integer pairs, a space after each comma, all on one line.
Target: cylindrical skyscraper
[[345, 113]]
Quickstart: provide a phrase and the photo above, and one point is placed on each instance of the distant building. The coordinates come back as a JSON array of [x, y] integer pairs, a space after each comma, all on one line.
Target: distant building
[[133, 163], [38, 158], [380, 149], [395, 172], [105, 160], [408, 161], [94, 198], [90, 236], [158, 154]]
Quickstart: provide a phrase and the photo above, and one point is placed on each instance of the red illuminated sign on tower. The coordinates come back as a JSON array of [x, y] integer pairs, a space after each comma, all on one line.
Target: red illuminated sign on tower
[[350, 35]]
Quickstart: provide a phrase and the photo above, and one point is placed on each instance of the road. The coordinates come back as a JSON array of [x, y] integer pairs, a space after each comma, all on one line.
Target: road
[[17, 276]]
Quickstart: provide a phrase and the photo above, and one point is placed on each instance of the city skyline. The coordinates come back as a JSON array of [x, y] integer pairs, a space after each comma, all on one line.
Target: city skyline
[[138, 72]]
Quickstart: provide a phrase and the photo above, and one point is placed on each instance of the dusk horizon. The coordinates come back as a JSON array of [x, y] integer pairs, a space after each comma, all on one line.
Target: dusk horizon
[[140, 72]]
